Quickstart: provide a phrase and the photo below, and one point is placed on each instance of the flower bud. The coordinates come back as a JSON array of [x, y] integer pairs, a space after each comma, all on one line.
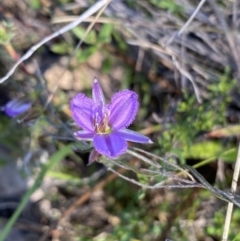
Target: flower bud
[[16, 107]]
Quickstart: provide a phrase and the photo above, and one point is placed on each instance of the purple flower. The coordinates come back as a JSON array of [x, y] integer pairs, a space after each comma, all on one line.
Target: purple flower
[[105, 124], [16, 107]]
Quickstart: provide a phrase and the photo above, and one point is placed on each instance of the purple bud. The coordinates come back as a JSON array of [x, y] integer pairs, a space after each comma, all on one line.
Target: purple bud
[[16, 107]]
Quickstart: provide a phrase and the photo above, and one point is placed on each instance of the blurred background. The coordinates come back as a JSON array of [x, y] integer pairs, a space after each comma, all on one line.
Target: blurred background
[[187, 78]]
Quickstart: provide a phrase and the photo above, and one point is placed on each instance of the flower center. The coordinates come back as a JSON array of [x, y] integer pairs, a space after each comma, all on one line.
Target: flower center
[[102, 127]]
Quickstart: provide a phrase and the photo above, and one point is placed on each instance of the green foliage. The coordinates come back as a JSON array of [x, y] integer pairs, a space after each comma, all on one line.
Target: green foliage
[[215, 229], [61, 48], [209, 149], [90, 38], [237, 237], [192, 118], [105, 34], [35, 4], [222, 87], [7, 32], [106, 65], [136, 226], [169, 5], [82, 55], [93, 39], [120, 41]]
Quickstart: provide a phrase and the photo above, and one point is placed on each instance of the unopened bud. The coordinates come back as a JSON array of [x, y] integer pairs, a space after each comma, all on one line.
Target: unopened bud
[[16, 107]]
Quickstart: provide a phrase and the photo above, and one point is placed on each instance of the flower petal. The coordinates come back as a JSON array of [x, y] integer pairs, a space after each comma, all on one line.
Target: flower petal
[[83, 111], [134, 136], [94, 156], [97, 93], [84, 135], [123, 109], [110, 145]]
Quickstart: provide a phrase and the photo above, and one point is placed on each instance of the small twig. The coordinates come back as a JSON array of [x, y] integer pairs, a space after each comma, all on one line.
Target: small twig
[[233, 190], [184, 27], [182, 56], [140, 57], [64, 19], [145, 44], [66, 28]]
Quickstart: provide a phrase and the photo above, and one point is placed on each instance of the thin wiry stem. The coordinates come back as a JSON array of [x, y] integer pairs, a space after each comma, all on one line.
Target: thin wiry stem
[[156, 186], [233, 190], [162, 159], [66, 28], [146, 160], [189, 77], [184, 27], [156, 172]]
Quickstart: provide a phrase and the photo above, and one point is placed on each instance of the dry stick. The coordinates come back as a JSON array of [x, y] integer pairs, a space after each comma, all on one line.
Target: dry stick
[[233, 190], [183, 52], [145, 44], [65, 19], [140, 58], [66, 28], [184, 27]]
